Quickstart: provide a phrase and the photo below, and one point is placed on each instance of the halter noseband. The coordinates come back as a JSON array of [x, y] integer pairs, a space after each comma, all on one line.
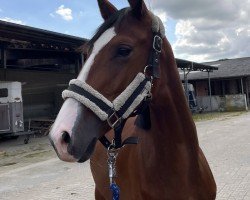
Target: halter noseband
[[116, 112], [112, 112]]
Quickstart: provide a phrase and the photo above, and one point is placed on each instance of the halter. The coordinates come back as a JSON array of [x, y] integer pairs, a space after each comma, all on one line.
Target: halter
[[116, 112], [134, 100]]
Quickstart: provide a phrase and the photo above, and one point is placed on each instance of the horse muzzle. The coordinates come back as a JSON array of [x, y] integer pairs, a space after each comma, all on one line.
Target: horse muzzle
[[75, 132], [70, 153]]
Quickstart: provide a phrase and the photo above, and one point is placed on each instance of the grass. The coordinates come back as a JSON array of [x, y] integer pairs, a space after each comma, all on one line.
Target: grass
[[8, 164], [215, 115], [2, 154], [36, 154]]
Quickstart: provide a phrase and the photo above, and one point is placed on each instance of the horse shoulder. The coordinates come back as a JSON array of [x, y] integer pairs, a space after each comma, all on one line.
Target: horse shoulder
[[208, 186]]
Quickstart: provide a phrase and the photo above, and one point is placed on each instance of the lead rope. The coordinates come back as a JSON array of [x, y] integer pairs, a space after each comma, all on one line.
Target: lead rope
[[112, 154]]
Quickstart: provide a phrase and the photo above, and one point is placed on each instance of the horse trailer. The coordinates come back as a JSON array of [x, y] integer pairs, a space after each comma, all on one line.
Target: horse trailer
[[11, 109]]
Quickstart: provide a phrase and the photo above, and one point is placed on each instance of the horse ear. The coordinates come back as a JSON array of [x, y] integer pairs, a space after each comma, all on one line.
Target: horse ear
[[138, 7], [106, 8]]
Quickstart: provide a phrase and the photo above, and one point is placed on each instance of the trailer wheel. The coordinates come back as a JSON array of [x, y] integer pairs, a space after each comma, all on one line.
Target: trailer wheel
[[14, 137], [26, 140]]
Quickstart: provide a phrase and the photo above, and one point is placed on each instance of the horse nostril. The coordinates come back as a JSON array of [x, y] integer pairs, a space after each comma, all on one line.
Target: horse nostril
[[66, 137]]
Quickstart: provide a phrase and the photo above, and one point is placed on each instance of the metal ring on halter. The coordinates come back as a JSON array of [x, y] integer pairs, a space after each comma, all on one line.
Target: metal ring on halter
[[111, 146], [145, 72], [112, 152], [145, 69], [157, 43]]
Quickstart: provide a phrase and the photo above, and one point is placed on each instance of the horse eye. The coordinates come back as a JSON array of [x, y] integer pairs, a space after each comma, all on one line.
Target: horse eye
[[123, 51]]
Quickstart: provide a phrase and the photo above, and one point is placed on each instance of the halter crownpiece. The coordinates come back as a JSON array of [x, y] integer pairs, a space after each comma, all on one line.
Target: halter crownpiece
[[154, 57], [157, 25]]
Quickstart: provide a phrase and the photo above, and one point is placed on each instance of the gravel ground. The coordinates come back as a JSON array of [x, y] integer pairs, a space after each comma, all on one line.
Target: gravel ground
[[33, 172]]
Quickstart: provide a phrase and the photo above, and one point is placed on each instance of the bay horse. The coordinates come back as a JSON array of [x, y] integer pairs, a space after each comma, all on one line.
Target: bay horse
[[130, 53]]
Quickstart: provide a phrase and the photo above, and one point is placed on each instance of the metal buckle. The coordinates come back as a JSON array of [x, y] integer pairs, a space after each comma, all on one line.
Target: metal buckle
[[157, 44], [113, 120], [148, 71]]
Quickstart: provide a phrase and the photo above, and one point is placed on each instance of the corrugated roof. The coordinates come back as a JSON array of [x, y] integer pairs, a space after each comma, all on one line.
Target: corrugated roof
[[193, 66], [11, 31], [227, 68]]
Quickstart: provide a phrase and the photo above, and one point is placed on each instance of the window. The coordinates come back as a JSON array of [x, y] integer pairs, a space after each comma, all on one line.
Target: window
[[3, 92]]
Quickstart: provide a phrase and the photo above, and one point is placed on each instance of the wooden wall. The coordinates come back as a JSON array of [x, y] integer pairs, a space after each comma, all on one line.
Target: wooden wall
[[41, 90]]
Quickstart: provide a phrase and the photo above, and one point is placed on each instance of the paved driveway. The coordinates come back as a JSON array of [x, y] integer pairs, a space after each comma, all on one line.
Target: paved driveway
[[33, 172], [226, 144]]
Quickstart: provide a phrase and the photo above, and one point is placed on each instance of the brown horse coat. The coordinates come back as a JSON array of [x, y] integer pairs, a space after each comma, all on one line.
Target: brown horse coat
[[168, 162]]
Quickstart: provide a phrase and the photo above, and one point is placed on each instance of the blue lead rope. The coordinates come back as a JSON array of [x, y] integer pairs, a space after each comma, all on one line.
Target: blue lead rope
[[115, 191]]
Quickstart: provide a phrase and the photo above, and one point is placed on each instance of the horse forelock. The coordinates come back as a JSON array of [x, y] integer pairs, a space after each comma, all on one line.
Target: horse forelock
[[101, 38], [99, 44], [104, 34], [114, 20]]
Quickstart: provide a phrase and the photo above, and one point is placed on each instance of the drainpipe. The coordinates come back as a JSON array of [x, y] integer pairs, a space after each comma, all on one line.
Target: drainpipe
[[210, 94], [247, 91], [242, 87], [242, 92], [186, 84]]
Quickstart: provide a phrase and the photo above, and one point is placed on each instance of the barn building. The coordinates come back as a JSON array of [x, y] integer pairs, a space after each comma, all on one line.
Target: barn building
[[230, 85], [43, 61]]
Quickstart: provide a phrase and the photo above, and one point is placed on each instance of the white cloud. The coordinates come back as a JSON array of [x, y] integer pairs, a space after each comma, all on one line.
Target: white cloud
[[209, 29], [52, 15], [16, 21], [65, 13]]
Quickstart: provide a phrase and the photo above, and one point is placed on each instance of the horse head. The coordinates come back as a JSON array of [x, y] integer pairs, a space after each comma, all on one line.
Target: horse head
[[119, 50]]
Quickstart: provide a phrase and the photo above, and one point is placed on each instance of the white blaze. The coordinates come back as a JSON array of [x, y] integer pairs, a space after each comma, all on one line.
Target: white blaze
[[102, 41]]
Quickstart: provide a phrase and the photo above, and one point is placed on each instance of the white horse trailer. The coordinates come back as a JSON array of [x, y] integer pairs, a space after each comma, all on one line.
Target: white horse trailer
[[12, 117], [11, 108]]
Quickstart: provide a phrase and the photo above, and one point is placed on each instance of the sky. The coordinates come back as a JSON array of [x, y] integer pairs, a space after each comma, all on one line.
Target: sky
[[198, 30]]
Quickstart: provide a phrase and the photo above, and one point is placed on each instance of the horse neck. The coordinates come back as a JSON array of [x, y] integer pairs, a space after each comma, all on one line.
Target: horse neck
[[171, 120]]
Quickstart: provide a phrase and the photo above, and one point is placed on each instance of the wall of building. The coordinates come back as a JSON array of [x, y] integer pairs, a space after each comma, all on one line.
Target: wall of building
[[218, 87], [41, 90], [233, 87], [201, 88], [223, 103], [230, 88]]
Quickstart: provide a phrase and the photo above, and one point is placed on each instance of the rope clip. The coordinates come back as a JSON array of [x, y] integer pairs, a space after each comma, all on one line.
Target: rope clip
[[112, 154]]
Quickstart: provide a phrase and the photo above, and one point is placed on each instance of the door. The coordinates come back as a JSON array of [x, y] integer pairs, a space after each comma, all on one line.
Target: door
[[4, 118]]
